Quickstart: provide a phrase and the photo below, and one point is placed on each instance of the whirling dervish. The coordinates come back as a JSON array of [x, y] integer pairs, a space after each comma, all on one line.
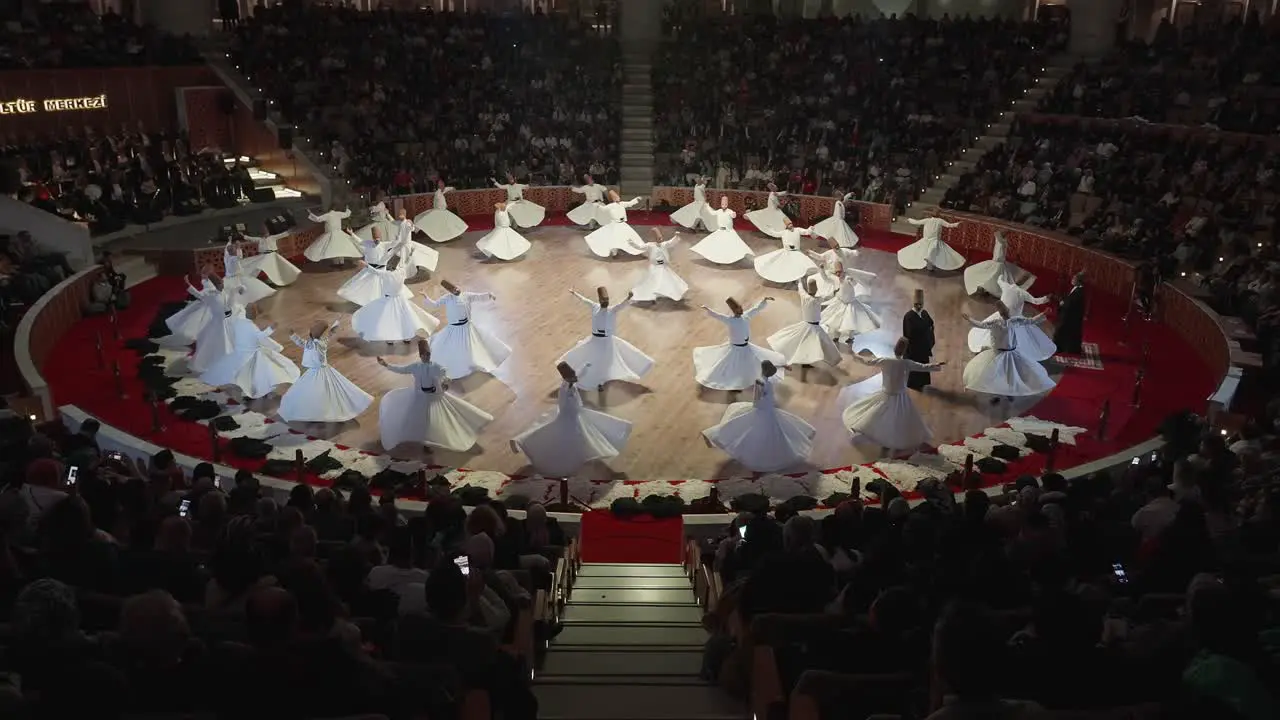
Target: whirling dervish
[[734, 365], [438, 222], [830, 262], [381, 219], [723, 246], [216, 338], [425, 413], [1031, 342], [769, 219], [414, 256], [364, 287], [524, 213], [336, 243], [760, 435], [614, 234], [1000, 370], [929, 251], [322, 394], [788, 263], [609, 357], [235, 278], [391, 317], [835, 229], [187, 322], [569, 436], [844, 315], [659, 279], [697, 212], [887, 416], [805, 342], [464, 346], [589, 212], [269, 261], [255, 364], [987, 275], [502, 242]]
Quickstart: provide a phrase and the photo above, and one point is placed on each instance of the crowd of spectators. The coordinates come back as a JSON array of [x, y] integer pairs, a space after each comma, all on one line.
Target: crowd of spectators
[[1157, 585], [50, 35], [458, 97], [871, 107], [1221, 75], [128, 589], [109, 179]]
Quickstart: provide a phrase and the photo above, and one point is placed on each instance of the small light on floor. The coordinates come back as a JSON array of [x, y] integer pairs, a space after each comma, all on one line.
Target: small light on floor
[[1184, 274], [1224, 431], [1259, 244], [1222, 259], [32, 418]]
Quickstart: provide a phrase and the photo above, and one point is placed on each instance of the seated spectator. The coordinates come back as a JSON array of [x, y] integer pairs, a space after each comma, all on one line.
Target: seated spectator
[[72, 35], [399, 575], [966, 646], [169, 566], [164, 671]]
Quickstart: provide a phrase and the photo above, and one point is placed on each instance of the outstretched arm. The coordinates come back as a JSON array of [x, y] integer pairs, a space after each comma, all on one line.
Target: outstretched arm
[[586, 300], [430, 302], [397, 369], [915, 222], [755, 309], [1034, 320], [314, 218], [497, 184], [298, 340], [716, 315], [867, 359], [816, 257], [914, 366], [344, 214], [980, 324], [579, 190], [946, 224], [675, 240], [626, 303], [630, 203]]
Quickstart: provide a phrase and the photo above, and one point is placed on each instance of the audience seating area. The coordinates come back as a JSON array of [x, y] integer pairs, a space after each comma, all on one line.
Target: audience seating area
[[1224, 76], [876, 107], [462, 98], [149, 592], [71, 35]]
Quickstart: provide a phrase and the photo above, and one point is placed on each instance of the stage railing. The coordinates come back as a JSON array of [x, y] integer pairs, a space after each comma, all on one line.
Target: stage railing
[[53, 314]]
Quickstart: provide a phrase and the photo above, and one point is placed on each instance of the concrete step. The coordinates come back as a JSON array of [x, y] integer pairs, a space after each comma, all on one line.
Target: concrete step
[[636, 158], [630, 570], [1000, 130], [637, 134], [632, 614], [619, 636], [1036, 93], [987, 143], [650, 680], [604, 663], [650, 583], [638, 702], [932, 196], [637, 146], [637, 122]]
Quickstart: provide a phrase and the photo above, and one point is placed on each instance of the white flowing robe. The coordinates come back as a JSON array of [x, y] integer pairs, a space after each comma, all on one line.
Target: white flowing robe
[[438, 222], [503, 242], [734, 365], [269, 261], [835, 228], [525, 213], [788, 263], [463, 346], [723, 246], [888, 417], [988, 274], [426, 414], [589, 211], [1032, 342], [929, 251], [322, 394], [1000, 369], [761, 436], [770, 219], [335, 242], [806, 342], [563, 440], [659, 279], [695, 212], [614, 234], [609, 357]]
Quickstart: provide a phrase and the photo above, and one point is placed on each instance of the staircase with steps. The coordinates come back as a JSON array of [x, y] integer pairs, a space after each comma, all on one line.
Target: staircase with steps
[[631, 649], [997, 132], [636, 163]]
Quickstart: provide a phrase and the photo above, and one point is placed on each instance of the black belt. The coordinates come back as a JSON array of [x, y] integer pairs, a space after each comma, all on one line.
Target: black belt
[[377, 267], [743, 344], [428, 390], [461, 322], [815, 323], [659, 262], [599, 334], [1004, 349], [228, 313]]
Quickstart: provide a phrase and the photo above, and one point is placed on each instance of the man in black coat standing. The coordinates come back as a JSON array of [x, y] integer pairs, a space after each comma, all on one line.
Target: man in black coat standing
[[1069, 334], [917, 328]]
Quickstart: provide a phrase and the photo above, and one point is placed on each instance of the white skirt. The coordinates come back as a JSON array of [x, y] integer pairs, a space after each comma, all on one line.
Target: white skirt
[[606, 240], [930, 253], [763, 440], [611, 358], [805, 343], [845, 320], [440, 225], [215, 339], [695, 212], [784, 266], [732, 367], [436, 419], [323, 395], [660, 281], [587, 213], [389, 319], [421, 257], [278, 270], [986, 274], [1006, 373], [254, 289], [770, 221], [464, 349], [1029, 341], [255, 372], [331, 246], [364, 287], [828, 284], [386, 227], [503, 243], [526, 214], [722, 247], [558, 445], [890, 421], [837, 230], [187, 323]]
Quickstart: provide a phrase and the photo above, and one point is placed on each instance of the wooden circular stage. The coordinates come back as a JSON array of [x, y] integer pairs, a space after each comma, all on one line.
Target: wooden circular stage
[[535, 314]]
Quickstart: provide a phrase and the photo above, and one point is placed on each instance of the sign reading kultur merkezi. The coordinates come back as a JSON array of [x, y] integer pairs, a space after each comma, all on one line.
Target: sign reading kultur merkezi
[[23, 106]]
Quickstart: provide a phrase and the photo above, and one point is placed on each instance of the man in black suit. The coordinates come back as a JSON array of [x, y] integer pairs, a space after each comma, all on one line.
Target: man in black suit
[[1069, 334], [917, 328]]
